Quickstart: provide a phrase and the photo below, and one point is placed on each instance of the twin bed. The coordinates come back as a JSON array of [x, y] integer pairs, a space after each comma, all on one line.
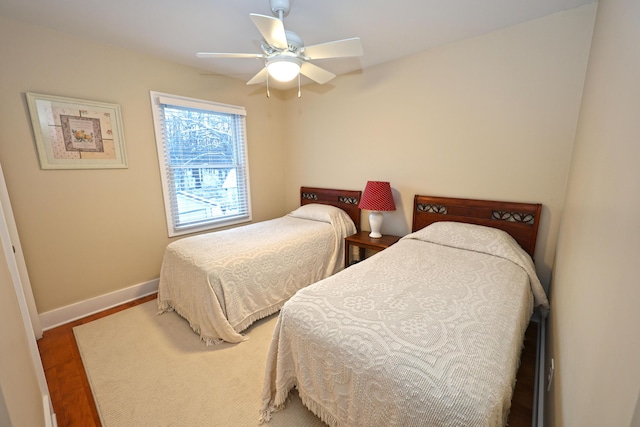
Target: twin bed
[[427, 332], [222, 282]]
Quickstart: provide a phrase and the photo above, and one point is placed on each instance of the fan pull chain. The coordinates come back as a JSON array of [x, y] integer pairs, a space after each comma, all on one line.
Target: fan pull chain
[[268, 94], [299, 94]]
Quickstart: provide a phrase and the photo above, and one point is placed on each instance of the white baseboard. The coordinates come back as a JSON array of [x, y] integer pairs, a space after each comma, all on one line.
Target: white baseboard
[[49, 416], [69, 313], [539, 380]]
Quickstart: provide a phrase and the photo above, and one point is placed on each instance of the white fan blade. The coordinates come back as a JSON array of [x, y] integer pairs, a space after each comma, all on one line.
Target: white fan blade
[[229, 55], [258, 78], [272, 30], [315, 73], [336, 49]]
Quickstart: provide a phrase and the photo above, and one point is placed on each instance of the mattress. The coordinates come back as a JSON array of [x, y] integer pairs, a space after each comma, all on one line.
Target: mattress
[[425, 333]]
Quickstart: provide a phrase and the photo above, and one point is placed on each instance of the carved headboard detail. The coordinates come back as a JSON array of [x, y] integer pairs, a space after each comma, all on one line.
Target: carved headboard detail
[[346, 200], [520, 220]]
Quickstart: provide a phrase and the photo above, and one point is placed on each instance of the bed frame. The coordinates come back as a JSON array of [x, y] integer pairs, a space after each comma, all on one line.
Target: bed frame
[[520, 220], [346, 200]]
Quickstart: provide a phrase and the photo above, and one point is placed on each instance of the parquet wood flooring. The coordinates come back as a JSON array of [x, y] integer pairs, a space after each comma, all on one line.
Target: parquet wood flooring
[[74, 406]]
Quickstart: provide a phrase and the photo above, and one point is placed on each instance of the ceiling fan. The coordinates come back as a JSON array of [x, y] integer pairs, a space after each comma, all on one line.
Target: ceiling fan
[[284, 53]]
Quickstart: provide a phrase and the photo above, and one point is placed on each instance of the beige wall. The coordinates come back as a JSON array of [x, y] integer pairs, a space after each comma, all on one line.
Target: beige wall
[[490, 117], [86, 233], [594, 332]]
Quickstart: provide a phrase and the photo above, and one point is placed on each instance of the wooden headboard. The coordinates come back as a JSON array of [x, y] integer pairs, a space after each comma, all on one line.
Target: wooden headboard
[[520, 220], [346, 200]]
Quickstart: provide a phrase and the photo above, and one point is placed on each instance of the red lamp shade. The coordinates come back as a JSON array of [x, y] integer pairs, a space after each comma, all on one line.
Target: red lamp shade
[[377, 196]]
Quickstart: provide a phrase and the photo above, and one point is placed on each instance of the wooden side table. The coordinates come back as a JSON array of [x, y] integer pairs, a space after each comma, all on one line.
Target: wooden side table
[[363, 242]]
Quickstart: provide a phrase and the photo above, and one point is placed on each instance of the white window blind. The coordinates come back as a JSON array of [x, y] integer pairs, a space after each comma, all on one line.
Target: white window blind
[[202, 152]]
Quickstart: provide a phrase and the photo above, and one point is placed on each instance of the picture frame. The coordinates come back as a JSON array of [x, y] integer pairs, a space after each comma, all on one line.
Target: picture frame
[[77, 134]]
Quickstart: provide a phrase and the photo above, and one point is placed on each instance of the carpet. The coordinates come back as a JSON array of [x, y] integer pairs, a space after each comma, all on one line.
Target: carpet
[[153, 370]]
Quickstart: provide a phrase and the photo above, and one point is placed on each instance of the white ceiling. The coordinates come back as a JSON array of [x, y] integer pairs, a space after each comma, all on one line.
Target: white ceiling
[[177, 29]]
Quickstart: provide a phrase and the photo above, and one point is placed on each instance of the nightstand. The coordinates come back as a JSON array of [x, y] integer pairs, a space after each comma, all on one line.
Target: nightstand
[[363, 242]]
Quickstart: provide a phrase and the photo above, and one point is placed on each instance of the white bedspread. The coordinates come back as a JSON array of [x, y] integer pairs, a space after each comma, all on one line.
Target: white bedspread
[[224, 281], [420, 334]]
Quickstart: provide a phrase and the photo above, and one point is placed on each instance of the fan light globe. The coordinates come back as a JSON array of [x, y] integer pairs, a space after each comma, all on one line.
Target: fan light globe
[[283, 69]]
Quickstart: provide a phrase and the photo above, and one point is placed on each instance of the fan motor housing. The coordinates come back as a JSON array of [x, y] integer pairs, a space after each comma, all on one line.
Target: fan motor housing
[[294, 41]]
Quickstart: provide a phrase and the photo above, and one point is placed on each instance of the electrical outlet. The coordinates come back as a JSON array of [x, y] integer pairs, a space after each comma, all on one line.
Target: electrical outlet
[[552, 369]]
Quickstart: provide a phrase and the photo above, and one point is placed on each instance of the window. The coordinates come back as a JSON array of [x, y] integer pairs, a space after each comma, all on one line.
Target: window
[[203, 163]]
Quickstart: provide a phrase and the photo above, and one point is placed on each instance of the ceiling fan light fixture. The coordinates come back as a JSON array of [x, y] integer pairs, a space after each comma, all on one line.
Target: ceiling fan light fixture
[[283, 68], [285, 54]]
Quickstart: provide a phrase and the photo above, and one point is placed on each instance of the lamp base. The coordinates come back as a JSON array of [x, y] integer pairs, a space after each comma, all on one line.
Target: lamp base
[[375, 222]]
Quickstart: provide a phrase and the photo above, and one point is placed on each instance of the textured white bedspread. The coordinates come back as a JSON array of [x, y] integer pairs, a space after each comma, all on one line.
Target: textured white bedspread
[[420, 334], [224, 281]]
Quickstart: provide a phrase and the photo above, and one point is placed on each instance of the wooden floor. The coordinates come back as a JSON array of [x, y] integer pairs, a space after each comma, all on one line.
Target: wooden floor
[[74, 406]]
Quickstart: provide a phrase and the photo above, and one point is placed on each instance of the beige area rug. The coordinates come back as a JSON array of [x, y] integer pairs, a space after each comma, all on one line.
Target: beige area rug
[[152, 370]]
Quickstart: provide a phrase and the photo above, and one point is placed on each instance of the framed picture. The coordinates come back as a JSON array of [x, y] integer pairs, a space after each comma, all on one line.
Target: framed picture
[[76, 134]]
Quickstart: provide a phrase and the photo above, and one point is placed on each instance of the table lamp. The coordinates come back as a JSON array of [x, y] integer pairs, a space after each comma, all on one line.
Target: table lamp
[[377, 197]]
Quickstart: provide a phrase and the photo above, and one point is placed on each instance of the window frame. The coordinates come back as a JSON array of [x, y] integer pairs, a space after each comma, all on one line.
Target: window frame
[[158, 100]]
